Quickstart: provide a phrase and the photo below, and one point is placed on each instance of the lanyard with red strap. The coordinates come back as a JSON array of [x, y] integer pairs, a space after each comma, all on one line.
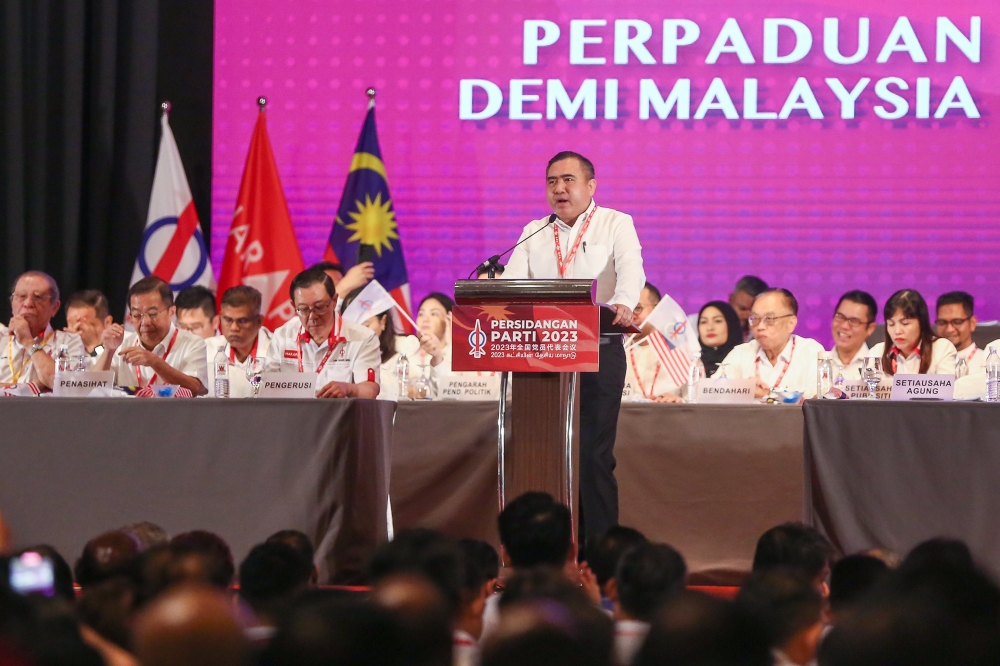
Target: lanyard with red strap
[[253, 350], [638, 379], [788, 363], [331, 342], [572, 253], [138, 374], [974, 350]]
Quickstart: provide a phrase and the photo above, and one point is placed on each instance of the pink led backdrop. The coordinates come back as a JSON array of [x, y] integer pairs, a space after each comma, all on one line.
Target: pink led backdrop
[[817, 205]]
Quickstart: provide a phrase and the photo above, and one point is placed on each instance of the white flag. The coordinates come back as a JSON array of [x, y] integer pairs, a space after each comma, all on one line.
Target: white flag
[[373, 300], [173, 246], [672, 338]]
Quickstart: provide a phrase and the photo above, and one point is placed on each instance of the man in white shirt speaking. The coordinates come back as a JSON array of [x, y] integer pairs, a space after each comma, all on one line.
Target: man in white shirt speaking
[[586, 241], [158, 352], [344, 354], [776, 357]]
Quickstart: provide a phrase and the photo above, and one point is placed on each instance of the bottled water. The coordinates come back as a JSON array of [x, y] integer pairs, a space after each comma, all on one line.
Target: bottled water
[[696, 373], [993, 377], [824, 374], [403, 377], [221, 373]]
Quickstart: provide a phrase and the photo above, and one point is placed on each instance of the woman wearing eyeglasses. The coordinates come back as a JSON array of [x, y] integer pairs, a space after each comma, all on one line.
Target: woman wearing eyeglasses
[[910, 346]]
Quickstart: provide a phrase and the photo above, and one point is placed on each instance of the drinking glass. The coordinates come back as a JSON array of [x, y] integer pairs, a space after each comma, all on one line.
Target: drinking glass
[[254, 372], [422, 385], [961, 368], [872, 373], [721, 372]]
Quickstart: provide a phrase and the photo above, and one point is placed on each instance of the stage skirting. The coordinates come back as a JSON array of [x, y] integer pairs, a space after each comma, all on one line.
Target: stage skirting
[[708, 479], [892, 475], [72, 468]]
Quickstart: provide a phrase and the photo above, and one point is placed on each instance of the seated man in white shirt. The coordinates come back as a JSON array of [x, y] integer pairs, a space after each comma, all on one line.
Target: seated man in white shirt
[[645, 377], [158, 352], [87, 316], [243, 337], [776, 357], [345, 355], [853, 322], [196, 312], [29, 345], [956, 322]]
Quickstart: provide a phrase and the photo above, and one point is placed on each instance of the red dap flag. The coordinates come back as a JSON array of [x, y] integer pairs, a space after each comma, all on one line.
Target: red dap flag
[[262, 251]]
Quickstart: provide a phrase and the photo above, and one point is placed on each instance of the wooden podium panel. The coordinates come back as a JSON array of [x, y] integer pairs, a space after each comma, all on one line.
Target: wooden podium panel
[[545, 417]]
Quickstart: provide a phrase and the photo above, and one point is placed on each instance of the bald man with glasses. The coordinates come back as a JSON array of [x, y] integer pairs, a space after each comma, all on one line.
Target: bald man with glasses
[[776, 357]]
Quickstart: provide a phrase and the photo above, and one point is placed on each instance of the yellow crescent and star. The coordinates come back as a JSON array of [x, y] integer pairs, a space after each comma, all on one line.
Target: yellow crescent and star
[[374, 221]]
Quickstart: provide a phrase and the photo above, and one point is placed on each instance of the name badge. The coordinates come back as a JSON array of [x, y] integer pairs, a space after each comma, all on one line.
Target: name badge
[[725, 391], [923, 387], [288, 385], [80, 384], [457, 387], [859, 390]]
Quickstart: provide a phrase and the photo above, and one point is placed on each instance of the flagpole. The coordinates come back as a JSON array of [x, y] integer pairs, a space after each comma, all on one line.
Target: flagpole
[[371, 92], [165, 107], [404, 313], [262, 103]]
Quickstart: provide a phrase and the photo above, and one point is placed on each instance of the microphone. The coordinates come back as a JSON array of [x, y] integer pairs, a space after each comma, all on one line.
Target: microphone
[[494, 260]]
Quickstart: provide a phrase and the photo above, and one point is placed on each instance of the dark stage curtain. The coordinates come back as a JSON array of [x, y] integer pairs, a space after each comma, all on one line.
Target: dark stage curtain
[[81, 82]]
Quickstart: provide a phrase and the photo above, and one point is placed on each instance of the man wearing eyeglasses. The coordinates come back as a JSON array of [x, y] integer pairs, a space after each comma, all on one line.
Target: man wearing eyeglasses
[[158, 352], [956, 321], [344, 354], [776, 357], [29, 346], [243, 337], [853, 322]]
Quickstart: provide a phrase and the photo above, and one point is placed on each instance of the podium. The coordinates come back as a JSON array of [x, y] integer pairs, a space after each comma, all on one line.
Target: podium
[[543, 333]]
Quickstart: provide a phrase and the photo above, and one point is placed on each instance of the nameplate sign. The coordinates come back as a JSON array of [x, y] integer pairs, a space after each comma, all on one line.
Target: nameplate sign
[[725, 391], [859, 390], [288, 385], [923, 387], [80, 384], [458, 387]]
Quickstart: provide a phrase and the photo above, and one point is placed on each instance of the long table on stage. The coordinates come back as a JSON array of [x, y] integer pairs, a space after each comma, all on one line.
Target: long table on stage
[[72, 468], [708, 479], [890, 475]]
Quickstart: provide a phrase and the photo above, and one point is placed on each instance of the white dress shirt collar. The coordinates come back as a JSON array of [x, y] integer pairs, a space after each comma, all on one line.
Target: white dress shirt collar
[[784, 357]]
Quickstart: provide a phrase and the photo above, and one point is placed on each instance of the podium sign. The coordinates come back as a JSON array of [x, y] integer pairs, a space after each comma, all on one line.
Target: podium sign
[[525, 338]]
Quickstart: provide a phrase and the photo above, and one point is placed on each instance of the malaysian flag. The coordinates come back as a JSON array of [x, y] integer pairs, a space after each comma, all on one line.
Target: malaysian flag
[[672, 338]]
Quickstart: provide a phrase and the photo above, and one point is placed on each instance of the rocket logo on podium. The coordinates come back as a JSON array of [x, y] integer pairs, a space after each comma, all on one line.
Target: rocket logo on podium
[[477, 340], [366, 218]]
